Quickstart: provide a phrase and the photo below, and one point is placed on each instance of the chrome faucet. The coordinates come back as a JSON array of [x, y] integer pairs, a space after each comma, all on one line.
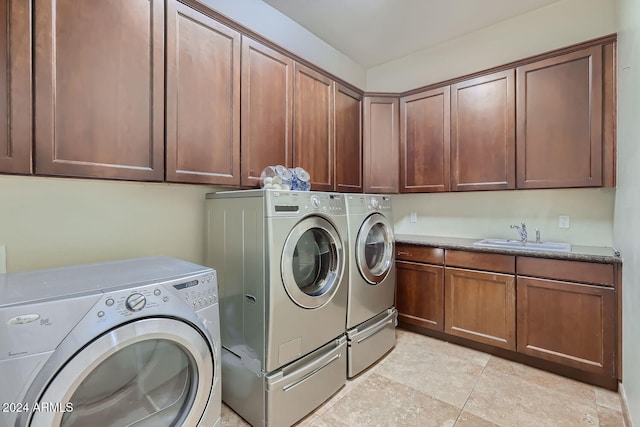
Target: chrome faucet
[[522, 230], [538, 235]]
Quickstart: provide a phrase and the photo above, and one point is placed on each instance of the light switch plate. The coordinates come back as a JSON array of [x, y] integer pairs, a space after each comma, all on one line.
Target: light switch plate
[[3, 259], [413, 217], [563, 221]]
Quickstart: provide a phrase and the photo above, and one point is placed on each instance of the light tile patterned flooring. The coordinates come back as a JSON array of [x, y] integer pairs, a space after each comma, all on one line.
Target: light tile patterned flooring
[[428, 382]]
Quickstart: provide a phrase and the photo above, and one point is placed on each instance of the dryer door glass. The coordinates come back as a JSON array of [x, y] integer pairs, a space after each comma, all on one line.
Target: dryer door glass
[[151, 372], [374, 249], [312, 262]]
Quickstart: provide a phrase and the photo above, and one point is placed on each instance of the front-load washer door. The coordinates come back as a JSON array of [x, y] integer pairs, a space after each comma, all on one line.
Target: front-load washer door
[[312, 262], [374, 248], [150, 372]]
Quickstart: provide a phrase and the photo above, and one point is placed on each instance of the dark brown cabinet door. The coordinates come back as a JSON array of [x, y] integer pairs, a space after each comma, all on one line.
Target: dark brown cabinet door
[[481, 306], [567, 323], [425, 141], [483, 155], [313, 143], [381, 144], [559, 121], [348, 126], [203, 98], [99, 88], [15, 86], [419, 294], [267, 114]]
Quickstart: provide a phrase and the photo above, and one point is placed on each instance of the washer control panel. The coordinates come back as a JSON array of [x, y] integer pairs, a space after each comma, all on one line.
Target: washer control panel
[[197, 291], [297, 203]]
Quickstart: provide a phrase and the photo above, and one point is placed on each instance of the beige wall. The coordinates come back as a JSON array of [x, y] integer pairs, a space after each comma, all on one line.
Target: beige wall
[[489, 214], [50, 222], [560, 24], [277, 27], [627, 207]]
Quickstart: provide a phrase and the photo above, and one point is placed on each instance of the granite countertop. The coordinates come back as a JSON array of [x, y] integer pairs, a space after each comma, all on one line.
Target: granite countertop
[[602, 254]]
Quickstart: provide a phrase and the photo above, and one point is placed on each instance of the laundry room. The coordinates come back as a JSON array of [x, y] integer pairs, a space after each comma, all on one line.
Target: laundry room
[[495, 143]]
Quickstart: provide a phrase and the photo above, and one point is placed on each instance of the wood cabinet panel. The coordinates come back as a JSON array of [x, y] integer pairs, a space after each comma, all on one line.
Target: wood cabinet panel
[[419, 254], [483, 133], [481, 261], [609, 155], [203, 98], [313, 144], [419, 295], [567, 323], [381, 144], [425, 161], [574, 271], [348, 136], [267, 110], [481, 306], [15, 86], [99, 97], [559, 130]]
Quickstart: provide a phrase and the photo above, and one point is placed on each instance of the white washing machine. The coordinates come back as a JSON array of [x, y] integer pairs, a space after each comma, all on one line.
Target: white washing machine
[[123, 343], [280, 256], [371, 317]]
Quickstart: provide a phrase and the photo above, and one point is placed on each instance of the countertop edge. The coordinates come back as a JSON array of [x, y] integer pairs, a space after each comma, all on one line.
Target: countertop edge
[[581, 254]]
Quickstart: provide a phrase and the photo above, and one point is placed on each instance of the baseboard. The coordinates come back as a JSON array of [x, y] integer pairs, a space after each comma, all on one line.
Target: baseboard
[[625, 406]]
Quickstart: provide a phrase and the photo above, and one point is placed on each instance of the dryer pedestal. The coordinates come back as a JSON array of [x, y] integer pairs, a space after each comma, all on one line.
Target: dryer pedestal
[[283, 397], [371, 340]]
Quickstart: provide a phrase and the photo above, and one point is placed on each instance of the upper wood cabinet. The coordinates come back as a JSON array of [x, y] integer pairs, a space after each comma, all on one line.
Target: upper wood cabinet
[[348, 134], [15, 86], [483, 133], [425, 141], [381, 142], [313, 143], [99, 88], [267, 110], [559, 121], [203, 98]]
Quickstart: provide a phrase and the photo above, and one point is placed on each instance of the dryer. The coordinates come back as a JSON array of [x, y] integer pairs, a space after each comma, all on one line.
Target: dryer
[[371, 317], [133, 342], [282, 267]]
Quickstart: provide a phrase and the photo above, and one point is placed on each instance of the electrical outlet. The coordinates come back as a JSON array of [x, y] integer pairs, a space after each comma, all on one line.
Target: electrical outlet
[[563, 221], [3, 259], [413, 217]]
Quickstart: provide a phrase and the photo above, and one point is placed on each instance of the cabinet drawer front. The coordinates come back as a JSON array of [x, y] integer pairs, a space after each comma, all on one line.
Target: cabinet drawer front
[[574, 271], [419, 254], [481, 261], [567, 323]]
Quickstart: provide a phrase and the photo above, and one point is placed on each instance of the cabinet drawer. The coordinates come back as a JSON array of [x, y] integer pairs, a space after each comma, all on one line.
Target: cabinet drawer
[[573, 271], [419, 254], [481, 261]]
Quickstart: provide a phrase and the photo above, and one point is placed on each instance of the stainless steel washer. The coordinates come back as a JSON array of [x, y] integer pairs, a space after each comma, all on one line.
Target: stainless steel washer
[[282, 266], [371, 317], [132, 342]]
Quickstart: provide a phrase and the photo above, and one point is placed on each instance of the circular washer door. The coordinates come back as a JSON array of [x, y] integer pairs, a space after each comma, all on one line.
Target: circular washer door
[[150, 372], [312, 262], [374, 248]]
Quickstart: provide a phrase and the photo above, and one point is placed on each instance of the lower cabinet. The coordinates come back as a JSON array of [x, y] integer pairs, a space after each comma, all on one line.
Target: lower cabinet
[[568, 323], [481, 306], [560, 315], [420, 286], [419, 294]]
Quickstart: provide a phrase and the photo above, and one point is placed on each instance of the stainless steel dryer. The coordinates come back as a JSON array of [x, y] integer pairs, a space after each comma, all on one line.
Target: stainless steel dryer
[[280, 256], [371, 317], [132, 342]]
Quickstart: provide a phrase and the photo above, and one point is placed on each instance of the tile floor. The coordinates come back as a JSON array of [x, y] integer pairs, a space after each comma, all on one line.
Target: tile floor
[[428, 382]]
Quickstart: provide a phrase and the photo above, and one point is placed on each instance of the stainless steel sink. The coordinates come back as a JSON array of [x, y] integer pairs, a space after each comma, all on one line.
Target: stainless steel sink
[[517, 244]]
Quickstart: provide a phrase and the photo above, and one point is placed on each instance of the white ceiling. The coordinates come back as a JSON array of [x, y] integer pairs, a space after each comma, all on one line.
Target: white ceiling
[[372, 32]]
